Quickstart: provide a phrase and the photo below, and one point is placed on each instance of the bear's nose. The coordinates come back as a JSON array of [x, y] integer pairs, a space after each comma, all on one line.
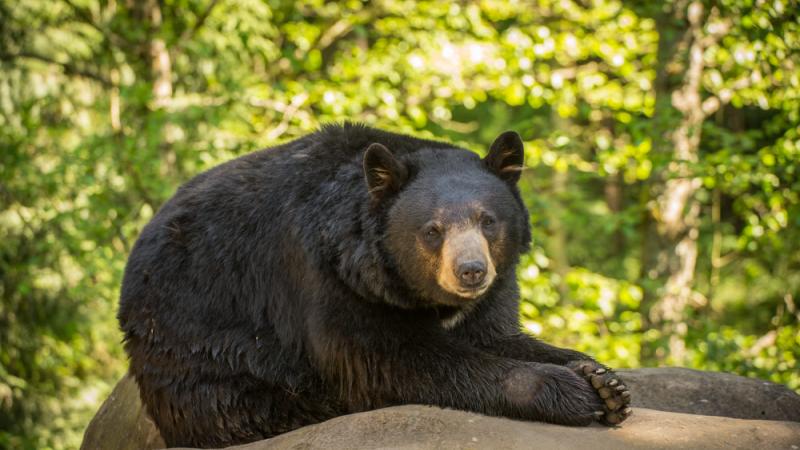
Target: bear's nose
[[471, 273]]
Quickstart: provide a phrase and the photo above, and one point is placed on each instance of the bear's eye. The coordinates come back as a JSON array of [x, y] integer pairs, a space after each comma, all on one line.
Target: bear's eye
[[432, 233], [488, 222]]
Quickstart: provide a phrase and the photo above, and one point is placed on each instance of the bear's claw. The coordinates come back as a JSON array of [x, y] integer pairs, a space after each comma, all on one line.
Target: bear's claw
[[610, 388]]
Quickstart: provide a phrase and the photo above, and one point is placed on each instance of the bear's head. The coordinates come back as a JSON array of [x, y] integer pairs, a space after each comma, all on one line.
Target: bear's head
[[454, 223]]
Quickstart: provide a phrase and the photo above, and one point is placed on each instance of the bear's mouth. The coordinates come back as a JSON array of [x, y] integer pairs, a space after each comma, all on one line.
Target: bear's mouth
[[472, 292]]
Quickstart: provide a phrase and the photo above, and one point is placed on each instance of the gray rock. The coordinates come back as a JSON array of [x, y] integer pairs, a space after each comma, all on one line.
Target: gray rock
[[122, 423], [425, 427], [710, 393]]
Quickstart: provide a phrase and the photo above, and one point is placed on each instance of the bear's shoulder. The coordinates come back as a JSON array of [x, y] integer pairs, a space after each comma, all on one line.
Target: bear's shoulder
[[353, 138]]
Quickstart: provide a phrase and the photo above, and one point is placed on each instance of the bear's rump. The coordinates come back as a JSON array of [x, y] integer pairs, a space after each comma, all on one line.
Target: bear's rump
[[191, 405]]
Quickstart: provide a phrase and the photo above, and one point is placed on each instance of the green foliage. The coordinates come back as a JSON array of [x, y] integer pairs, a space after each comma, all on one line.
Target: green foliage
[[95, 133]]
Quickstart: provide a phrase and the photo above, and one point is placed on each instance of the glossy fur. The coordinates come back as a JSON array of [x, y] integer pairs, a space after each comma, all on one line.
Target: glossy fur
[[275, 291]]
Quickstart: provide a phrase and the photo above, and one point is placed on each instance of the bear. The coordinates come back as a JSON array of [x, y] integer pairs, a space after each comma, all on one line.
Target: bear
[[347, 270]]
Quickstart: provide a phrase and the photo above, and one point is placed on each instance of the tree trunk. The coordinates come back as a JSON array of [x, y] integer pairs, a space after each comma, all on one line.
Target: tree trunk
[[612, 190], [159, 60], [557, 242], [159, 65], [556, 245], [670, 254]]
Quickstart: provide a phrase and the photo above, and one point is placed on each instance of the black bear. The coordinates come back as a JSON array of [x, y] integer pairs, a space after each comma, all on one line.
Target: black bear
[[347, 270]]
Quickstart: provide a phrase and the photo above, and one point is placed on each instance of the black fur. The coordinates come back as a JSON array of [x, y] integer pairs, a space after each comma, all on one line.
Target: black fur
[[265, 295]]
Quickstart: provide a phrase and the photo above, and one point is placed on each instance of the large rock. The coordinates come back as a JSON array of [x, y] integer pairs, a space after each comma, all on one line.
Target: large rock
[[426, 427], [121, 423], [712, 394]]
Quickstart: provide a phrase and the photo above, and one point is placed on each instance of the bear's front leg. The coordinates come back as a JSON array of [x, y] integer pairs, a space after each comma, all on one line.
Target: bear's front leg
[[608, 385], [375, 356], [494, 328]]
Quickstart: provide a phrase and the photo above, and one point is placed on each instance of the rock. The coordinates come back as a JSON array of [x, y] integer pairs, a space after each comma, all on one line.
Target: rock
[[121, 422], [712, 394], [425, 427]]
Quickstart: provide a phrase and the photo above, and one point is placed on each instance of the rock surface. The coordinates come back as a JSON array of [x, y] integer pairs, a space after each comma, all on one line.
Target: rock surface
[[710, 393], [426, 427], [121, 423]]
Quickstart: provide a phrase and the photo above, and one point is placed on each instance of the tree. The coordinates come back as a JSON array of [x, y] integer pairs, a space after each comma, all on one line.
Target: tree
[[662, 151]]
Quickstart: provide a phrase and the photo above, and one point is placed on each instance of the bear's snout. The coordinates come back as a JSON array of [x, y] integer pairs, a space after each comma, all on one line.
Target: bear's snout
[[467, 269], [471, 273]]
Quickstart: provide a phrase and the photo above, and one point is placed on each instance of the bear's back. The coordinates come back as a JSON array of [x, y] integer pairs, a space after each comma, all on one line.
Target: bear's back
[[232, 247]]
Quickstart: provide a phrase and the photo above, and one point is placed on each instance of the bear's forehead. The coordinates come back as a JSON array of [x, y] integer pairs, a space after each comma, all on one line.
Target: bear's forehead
[[452, 197], [457, 212], [446, 212], [461, 186]]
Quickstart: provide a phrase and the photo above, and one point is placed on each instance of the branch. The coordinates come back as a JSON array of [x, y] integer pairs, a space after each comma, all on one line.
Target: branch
[[85, 16], [717, 27], [714, 102], [68, 68], [571, 72], [338, 29], [343, 27], [201, 19], [189, 33], [288, 115]]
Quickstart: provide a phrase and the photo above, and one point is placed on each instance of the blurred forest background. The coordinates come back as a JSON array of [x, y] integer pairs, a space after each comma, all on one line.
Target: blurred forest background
[[662, 140]]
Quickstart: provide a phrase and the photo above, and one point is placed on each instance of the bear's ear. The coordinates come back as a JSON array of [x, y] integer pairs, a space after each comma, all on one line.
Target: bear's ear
[[506, 157], [384, 173]]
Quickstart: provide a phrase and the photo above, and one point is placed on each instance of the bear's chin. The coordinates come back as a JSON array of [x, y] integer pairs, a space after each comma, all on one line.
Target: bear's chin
[[467, 294], [472, 294], [460, 299]]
